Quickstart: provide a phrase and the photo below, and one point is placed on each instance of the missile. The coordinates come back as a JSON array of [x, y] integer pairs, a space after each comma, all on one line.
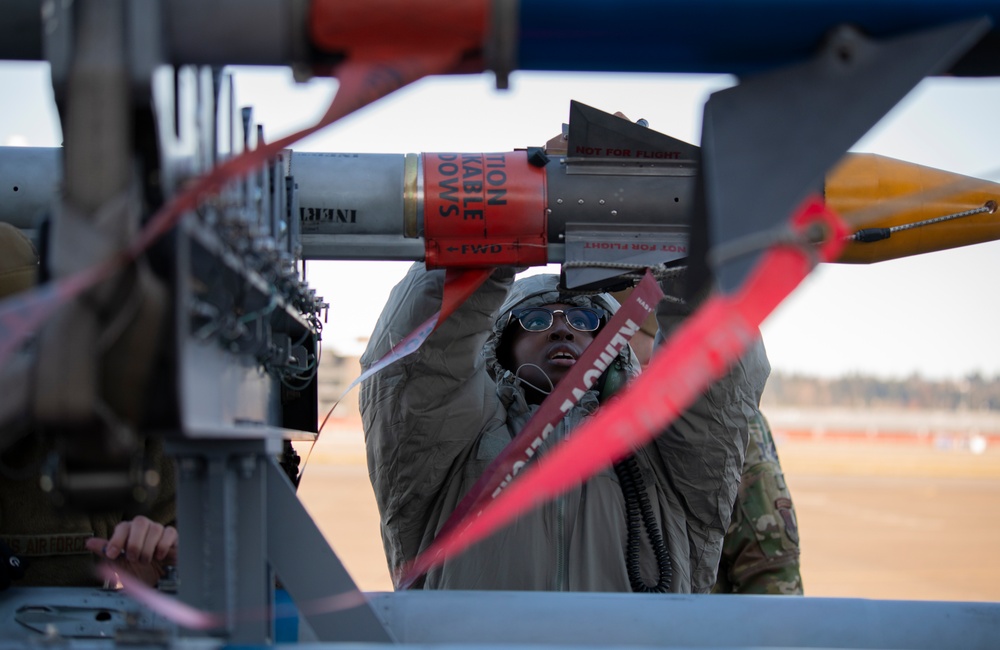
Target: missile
[[611, 192], [605, 193]]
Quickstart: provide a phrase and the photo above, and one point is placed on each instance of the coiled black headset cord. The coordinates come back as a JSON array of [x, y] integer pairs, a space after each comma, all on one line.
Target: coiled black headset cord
[[636, 503]]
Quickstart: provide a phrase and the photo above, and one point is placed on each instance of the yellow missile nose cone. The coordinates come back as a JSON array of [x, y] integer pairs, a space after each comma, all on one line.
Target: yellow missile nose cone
[[872, 191]]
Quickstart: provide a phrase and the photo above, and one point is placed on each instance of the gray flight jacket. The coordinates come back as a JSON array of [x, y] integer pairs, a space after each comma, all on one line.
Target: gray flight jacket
[[435, 419]]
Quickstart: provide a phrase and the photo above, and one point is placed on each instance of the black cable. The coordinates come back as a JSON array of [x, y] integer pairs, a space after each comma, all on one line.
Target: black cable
[[637, 504], [289, 462]]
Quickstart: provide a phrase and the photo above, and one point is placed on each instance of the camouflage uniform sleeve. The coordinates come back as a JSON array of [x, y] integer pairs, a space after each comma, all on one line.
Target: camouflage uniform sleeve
[[760, 554]]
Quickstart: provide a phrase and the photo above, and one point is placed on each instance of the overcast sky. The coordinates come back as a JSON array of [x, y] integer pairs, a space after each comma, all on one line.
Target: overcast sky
[[935, 314]]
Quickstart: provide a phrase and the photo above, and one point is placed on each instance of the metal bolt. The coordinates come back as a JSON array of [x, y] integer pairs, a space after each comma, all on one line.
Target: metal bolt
[[247, 466]]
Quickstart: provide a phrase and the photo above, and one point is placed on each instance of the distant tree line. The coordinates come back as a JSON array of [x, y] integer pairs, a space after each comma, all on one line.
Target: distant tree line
[[973, 392]]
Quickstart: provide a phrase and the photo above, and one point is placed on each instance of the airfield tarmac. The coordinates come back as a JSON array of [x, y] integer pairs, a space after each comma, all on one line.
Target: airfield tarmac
[[877, 520]]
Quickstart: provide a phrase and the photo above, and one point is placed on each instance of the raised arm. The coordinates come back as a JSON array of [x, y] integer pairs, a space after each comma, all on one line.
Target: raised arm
[[426, 410]]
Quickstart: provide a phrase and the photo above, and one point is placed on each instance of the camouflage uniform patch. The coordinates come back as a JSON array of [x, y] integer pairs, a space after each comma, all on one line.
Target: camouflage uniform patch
[[760, 554]]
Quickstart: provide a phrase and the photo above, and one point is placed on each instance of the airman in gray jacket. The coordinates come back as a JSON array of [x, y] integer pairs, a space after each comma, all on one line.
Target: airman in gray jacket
[[435, 419]]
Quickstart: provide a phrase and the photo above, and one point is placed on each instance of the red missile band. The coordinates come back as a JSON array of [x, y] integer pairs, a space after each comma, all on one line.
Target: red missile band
[[484, 209]]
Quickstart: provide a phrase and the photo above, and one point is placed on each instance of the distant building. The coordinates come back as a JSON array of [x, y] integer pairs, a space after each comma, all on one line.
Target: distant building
[[336, 372]]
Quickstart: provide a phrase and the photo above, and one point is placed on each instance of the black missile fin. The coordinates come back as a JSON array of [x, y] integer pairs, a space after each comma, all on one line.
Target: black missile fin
[[596, 134]]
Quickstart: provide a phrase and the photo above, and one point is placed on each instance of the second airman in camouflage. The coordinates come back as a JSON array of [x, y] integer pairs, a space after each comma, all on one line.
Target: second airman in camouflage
[[760, 554]]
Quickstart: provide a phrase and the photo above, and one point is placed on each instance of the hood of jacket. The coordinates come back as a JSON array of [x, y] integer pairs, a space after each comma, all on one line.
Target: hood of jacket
[[534, 291]]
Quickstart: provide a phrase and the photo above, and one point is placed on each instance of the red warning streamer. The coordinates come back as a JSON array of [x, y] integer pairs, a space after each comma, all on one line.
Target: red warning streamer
[[700, 352]]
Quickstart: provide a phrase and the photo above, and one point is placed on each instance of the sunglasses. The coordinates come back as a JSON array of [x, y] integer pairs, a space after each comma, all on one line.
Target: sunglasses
[[539, 319]]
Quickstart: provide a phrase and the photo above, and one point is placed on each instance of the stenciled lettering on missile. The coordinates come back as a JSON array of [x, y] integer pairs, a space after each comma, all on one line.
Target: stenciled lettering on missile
[[619, 246], [476, 249], [472, 186], [469, 182], [448, 185], [612, 152], [483, 209], [496, 179], [313, 218]]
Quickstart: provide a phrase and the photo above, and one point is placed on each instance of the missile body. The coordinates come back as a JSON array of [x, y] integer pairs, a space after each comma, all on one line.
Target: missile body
[[478, 209], [611, 192], [607, 193], [594, 210]]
